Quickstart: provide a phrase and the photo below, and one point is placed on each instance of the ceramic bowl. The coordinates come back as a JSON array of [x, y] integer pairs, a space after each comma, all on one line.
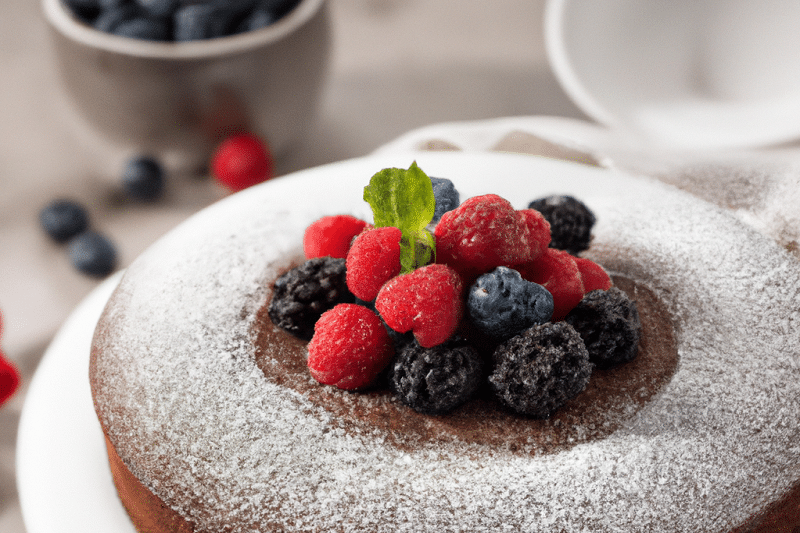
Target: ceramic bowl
[[178, 100]]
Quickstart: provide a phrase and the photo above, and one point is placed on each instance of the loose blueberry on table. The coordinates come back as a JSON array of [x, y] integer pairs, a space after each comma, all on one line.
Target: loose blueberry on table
[[483, 299]]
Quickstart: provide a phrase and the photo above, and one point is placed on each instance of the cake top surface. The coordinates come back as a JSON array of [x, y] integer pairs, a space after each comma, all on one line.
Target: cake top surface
[[178, 391]]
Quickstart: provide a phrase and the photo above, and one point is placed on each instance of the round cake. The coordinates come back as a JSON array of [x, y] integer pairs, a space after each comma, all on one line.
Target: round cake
[[213, 423]]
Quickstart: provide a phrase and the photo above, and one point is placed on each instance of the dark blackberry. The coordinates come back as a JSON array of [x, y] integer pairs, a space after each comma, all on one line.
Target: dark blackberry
[[501, 304], [301, 295], [609, 324], [540, 369], [570, 221], [435, 380], [446, 195], [63, 219]]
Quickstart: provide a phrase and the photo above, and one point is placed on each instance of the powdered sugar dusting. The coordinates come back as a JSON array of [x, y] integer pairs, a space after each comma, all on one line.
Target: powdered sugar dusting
[[208, 433]]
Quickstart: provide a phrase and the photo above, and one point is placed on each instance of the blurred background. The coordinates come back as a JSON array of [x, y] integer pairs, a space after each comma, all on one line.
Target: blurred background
[[396, 65]]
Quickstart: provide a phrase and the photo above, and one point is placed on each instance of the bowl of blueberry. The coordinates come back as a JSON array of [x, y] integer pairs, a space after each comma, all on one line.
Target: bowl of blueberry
[[174, 77]]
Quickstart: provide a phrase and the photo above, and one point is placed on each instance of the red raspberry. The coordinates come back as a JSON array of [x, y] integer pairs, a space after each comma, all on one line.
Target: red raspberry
[[350, 347], [331, 236], [373, 260], [556, 271], [427, 301], [241, 161], [592, 275], [486, 232], [9, 379]]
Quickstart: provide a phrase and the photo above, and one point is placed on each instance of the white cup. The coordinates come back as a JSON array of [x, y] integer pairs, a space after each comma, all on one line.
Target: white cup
[[699, 74]]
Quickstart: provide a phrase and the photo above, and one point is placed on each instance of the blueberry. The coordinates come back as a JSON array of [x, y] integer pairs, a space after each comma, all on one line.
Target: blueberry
[[93, 254], [63, 219], [193, 22], [501, 304], [149, 29], [143, 178], [257, 19], [278, 7], [159, 8], [85, 10], [447, 197], [113, 16]]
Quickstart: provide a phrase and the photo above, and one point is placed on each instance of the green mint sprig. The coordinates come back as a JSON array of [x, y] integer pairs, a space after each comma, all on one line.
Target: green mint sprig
[[404, 199]]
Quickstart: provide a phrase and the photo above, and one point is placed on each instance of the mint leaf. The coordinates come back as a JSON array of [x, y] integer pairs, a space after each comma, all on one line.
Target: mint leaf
[[404, 199]]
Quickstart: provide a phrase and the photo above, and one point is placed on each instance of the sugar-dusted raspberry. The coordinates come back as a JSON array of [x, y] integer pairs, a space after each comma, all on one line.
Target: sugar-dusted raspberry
[[331, 236], [570, 220], [608, 321], [435, 380], [557, 272], [540, 369], [594, 277], [538, 231], [485, 232], [373, 259], [302, 294], [427, 301], [350, 347]]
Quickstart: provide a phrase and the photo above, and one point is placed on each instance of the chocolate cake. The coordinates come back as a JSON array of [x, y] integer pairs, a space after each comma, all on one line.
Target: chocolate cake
[[213, 423]]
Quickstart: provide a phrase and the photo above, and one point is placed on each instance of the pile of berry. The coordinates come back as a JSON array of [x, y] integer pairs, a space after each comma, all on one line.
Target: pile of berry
[[179, 20], [483, 298]]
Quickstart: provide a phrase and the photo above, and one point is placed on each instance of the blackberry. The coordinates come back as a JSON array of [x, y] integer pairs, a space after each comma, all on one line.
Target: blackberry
[[570, 221], [63, 219], [501, 304], [93, 254], [301, 295], [143, 178], [609, 324], [446, 195], [435, 380], [540, 369]]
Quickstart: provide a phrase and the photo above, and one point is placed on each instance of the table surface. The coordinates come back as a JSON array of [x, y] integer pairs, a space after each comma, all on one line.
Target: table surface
[[396, 65]]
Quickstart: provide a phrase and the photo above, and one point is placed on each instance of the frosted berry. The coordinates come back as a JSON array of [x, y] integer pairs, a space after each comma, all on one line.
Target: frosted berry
[[501, 304], [485, 232], [143, 178], [557, 272], [435, 380], [608, 321], [373, 259], [594, 277], [64, 219], [241, 161], [350, 347], [302, 294], [541, 369], [426, 301], [331, 236], [93, 254], [570, 220], [446, 195]]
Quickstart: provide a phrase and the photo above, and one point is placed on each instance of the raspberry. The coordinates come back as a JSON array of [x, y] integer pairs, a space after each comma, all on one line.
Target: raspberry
[[331, 236], [557, 272], [483, 233], [143, 178], [64, 219], [9, 375], [540, 369], [426, 301], [373, 260], [241, 161], [350, 347], [305, 292], [435, 380], [446, 195], [501, 304], [609, 324], [570, 220], [592, 275]]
